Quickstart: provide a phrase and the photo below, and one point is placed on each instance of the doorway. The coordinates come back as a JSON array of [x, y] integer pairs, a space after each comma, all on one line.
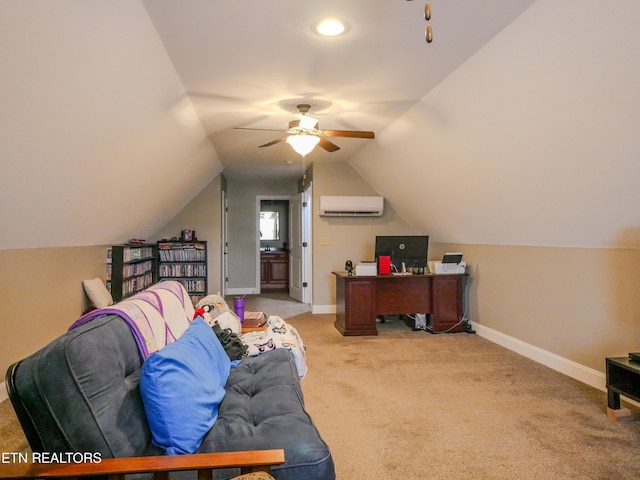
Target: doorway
[[273, 243], [283, 246]]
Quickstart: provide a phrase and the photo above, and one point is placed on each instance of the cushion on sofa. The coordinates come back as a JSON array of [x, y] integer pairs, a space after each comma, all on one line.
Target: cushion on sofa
[[182, 386], [97, 292], [263, 409]]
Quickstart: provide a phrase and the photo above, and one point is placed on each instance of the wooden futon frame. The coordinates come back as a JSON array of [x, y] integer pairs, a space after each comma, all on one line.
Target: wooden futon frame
[[160, 466]]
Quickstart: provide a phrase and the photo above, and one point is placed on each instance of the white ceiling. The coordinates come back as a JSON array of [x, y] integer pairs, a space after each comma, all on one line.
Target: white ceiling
[[249, 63]]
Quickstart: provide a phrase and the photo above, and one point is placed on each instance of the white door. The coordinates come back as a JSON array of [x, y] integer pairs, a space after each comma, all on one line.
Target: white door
[[296, 278]]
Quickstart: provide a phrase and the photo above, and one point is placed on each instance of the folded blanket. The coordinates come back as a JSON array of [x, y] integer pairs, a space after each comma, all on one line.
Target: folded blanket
[[156, 316], [279, 334]]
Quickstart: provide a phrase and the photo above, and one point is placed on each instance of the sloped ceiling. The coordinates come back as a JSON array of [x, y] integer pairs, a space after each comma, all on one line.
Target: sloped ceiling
[[98, 141], [516, 126], [533, 141]]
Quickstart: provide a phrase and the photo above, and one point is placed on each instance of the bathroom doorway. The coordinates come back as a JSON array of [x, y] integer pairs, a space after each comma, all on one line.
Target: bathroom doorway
[[273, 243]]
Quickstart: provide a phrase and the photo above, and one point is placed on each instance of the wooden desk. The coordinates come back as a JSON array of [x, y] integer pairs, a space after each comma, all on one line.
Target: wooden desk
[[360, 299]]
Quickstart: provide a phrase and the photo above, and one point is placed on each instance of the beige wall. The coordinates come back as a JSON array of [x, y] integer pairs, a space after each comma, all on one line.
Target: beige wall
[[581, 304], [336, 239], [41, 295], [41, 290], [204, 215], [578, 303]]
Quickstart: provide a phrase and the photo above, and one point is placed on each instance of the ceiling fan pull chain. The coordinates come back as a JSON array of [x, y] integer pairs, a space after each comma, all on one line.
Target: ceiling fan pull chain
[[428, 33]]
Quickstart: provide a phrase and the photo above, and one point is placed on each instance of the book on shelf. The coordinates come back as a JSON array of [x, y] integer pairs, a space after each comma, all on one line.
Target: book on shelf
[[182, 252]]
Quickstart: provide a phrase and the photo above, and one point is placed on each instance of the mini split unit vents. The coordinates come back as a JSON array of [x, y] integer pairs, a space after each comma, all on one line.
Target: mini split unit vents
[[351, 206]]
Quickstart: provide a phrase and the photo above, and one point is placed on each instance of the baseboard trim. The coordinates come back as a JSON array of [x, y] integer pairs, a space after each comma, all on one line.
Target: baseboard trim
[[570, 368], [3, 392], [323, 309]]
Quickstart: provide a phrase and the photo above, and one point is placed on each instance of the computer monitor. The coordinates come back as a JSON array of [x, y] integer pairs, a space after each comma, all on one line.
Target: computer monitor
[[410, 249]]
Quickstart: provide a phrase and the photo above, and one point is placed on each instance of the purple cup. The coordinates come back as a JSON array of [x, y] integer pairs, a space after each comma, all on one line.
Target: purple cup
[[238, 306]]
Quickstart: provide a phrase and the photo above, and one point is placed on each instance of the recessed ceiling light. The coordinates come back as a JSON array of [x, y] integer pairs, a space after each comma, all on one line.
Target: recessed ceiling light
[[331, 27]]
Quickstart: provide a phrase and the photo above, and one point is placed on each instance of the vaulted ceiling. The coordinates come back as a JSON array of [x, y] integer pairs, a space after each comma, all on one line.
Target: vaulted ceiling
[[248, 64], [517, 125]]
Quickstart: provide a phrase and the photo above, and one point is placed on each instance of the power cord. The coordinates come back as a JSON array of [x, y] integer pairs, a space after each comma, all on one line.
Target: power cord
[[465, 305], [468, 328]]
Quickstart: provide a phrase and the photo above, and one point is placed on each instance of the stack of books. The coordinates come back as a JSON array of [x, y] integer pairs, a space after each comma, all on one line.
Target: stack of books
[[254, 321]]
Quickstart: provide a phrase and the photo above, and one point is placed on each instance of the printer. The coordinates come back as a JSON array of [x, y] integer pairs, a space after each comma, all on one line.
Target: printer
[[451, 263]]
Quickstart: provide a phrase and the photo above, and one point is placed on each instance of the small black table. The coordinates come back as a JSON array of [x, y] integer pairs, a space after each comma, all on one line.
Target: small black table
[[623, 378]]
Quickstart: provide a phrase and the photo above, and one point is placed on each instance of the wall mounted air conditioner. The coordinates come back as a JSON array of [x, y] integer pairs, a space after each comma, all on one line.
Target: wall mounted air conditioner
[[351, 206]]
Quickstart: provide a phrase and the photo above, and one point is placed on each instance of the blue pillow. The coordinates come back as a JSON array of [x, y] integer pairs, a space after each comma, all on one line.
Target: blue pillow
[[182, 386]]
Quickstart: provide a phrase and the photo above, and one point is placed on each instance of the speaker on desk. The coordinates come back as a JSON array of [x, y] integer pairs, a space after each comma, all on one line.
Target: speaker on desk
[[384, 265]]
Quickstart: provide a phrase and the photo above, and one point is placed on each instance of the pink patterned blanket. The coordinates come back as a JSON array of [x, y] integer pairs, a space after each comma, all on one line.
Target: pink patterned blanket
[[156, 316]]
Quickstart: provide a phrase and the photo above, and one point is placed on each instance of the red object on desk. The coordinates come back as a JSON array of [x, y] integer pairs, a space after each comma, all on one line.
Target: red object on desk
[[384, 265]]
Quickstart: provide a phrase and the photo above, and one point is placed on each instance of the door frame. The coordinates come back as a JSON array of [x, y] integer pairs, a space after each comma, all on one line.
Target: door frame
[[259, 198], [307, 252]]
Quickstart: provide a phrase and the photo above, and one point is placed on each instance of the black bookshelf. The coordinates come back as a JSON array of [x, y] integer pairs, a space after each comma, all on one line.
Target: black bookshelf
[[132, 269], [185, 262]]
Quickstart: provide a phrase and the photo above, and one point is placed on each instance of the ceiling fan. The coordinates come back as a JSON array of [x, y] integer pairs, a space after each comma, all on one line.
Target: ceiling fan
[[304, 133]]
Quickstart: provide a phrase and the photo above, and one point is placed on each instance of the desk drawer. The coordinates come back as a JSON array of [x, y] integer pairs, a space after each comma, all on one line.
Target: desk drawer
[[403, 295]]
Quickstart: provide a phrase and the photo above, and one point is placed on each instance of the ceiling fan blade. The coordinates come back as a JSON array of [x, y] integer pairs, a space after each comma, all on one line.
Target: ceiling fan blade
[[327, 145], [305, 123], [261, 129], [348, 133], [274, 142]]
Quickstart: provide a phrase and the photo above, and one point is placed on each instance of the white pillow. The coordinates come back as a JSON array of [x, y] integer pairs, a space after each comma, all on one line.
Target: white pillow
[[97, 292]]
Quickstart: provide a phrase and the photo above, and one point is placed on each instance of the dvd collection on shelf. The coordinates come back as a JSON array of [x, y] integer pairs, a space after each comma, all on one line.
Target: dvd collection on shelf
[[183, 270], [130, 268], [131, 254], [136, 284], [185, 262], [182, 252], [133, 267], [193, 285]]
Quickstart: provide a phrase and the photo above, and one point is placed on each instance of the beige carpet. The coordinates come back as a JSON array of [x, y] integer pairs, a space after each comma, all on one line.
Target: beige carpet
[[411, 405], [11, 437]]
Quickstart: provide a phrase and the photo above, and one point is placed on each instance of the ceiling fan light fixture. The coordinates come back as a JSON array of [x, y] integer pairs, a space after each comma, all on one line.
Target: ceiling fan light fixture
[[331, 27], [308, 122], [302, 143]]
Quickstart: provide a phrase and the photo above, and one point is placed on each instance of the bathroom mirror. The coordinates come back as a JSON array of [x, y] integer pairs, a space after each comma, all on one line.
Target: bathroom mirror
[[269, 226]]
